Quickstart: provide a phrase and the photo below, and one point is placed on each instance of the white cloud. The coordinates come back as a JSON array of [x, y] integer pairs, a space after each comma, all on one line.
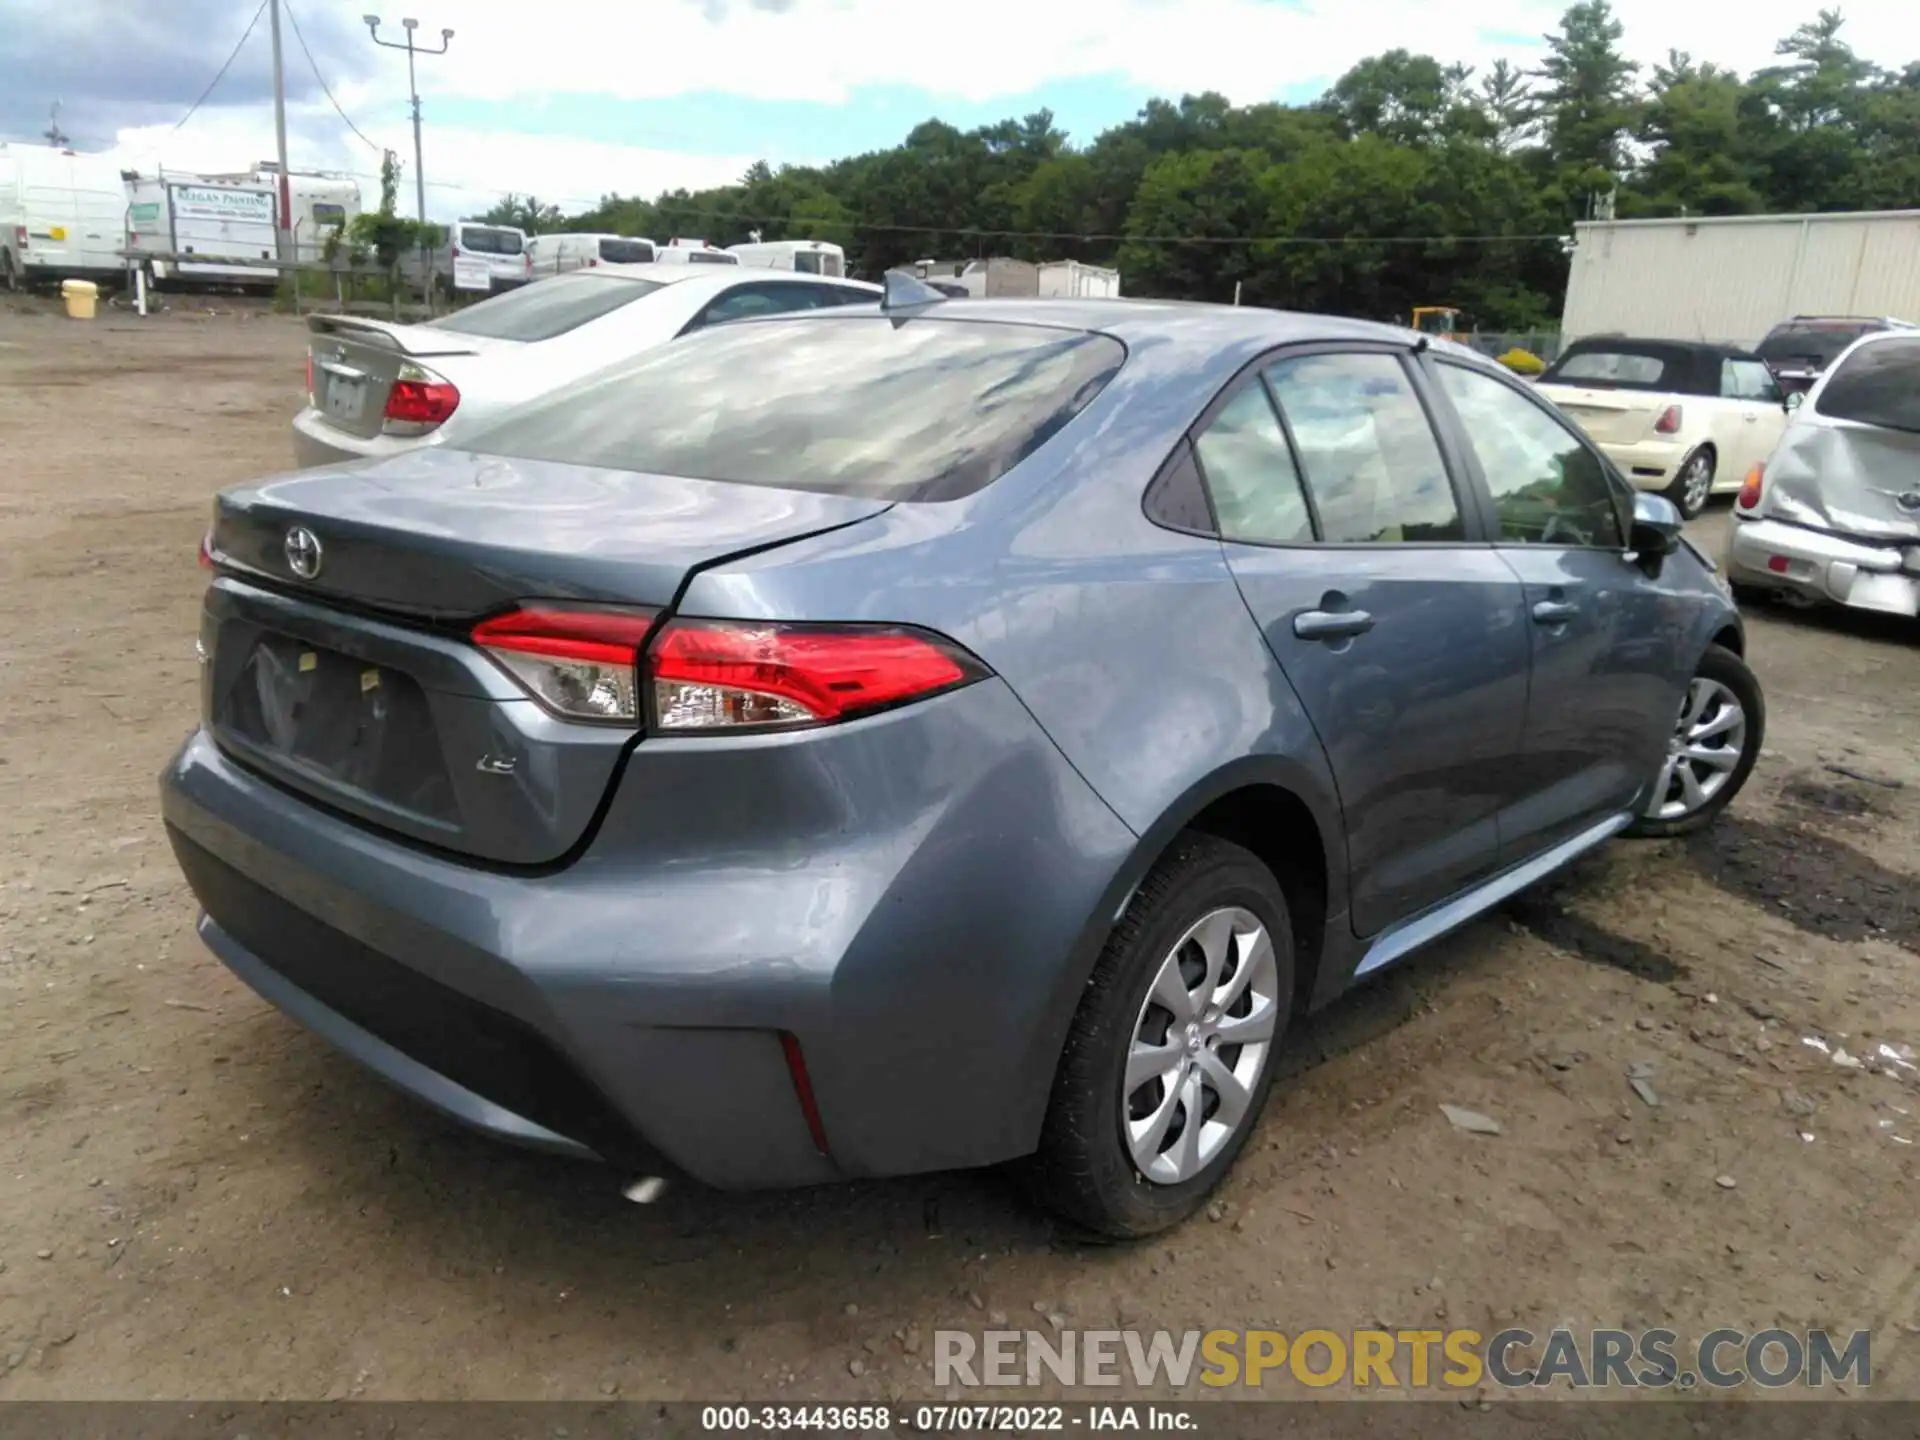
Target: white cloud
[[1248, 49], [825, 50]]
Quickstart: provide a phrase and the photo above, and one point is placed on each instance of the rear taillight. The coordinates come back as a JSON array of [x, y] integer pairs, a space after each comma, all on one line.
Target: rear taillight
[[419, 401], [310, 377], [19, 237], [1749, 496], [206, 551], [734, 675], [586, 662], [1669, 421], [581, 662]]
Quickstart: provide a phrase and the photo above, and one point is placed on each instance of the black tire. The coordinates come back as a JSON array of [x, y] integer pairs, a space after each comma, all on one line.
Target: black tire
[[1677, 491], [9, 273], [1721, 664], [1083, 1169]]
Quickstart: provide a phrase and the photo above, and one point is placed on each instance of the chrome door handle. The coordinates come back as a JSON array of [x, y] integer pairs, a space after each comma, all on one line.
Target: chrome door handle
[[1331, 624], [1554, 612]]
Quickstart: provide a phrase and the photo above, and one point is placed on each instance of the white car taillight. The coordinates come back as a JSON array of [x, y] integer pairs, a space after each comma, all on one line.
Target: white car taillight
[[1669, 421], [419, 401], [581, 662]]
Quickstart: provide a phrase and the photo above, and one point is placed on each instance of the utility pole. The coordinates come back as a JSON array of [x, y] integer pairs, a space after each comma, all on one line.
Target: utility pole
[[283, 211], [56, 137], [413, 88]]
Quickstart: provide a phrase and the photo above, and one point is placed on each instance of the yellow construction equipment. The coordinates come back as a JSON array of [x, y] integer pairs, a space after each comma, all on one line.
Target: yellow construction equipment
[[1440, 320]]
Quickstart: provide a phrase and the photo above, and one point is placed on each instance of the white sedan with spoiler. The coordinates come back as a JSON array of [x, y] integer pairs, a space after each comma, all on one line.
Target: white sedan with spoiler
[[375, 388]]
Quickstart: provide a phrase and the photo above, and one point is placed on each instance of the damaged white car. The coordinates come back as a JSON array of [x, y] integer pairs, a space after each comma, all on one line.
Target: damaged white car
[[1834, 515]]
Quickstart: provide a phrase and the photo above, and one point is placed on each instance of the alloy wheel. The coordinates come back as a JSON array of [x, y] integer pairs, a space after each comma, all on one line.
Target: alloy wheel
[[1199, 1044], [1706, 747], [1697, 482]]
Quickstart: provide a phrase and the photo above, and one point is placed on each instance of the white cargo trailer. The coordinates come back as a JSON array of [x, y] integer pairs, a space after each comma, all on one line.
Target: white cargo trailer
[[1082, 282], [1733, 278], [219, 231]]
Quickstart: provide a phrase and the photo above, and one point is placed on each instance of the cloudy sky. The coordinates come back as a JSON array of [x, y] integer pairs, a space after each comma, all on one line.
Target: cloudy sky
[[572, 100]]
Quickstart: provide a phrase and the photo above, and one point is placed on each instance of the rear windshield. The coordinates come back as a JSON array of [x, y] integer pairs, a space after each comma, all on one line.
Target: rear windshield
[[922, 410], [1609, 369], [711, 257], [1878, 385], [1816, 346], [626, 252], [548, 307], [484, 240]]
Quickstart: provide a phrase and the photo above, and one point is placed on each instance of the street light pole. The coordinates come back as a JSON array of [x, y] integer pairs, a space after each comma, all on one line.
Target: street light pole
[[413, 89]]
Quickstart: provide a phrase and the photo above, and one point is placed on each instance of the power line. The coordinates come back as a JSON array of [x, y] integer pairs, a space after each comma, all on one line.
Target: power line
[[245, 35], [324, 88]]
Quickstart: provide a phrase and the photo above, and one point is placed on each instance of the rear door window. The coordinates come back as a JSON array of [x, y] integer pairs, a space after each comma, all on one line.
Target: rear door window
[[552, 307], [844, 404], [1548, 487], [626, 252], [1878, 384], [487, 240], [1250, 473], [1367, 450]]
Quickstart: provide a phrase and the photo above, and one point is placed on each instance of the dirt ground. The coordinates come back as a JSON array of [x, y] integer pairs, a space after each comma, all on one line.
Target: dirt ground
[[200, 1200]]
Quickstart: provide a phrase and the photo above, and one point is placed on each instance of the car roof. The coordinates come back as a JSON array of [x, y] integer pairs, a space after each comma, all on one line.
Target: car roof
[[1630, 345], [1196, 324], [667, 273]]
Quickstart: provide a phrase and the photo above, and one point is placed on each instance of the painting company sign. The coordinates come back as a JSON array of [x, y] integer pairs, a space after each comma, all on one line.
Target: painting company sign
[[219, 202]]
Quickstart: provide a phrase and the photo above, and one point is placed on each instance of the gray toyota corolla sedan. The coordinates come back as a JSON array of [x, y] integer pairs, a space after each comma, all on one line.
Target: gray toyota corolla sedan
[[876, 741]]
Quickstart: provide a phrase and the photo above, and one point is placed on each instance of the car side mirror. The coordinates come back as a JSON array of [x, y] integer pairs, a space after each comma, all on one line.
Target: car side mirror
[[1794, 401], [1656, 531]]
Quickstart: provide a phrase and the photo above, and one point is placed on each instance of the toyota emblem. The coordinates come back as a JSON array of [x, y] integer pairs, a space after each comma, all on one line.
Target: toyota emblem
[[303, 552]]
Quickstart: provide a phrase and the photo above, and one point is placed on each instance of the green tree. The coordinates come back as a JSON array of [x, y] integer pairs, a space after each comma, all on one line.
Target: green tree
[[1588, 102], [523, 212]]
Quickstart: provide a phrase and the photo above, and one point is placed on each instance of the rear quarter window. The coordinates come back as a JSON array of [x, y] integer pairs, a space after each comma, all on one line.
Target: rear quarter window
[[549, 308], [928, 409]]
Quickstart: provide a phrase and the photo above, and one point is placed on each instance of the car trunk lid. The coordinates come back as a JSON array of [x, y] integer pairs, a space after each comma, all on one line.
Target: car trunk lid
[[351, 678], [355, 361], [1609, 416]]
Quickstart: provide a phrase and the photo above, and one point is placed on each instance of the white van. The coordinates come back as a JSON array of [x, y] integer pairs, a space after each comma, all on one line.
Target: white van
[[557, 254], [678, 251], [480, 259], [63, 215], [808, 257]]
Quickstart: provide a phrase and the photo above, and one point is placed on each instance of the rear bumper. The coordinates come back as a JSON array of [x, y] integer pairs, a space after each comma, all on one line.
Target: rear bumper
[[1815, 565], [1649, 464], [908, 897], [315, 442]]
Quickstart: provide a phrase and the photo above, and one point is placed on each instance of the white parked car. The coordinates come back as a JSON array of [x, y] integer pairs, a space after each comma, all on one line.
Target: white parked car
[[1686, 420], [1834, 515], [557, 254], [375, 388]]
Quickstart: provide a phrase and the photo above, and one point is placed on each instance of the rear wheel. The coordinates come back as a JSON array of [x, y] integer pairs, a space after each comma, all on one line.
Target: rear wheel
[[9, 272], [1693, 482], [1171, 1054], [1712, 750]]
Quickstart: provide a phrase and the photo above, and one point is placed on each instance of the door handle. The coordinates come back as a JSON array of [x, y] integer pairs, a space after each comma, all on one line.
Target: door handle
[[1554, 612], [1331, 624]]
